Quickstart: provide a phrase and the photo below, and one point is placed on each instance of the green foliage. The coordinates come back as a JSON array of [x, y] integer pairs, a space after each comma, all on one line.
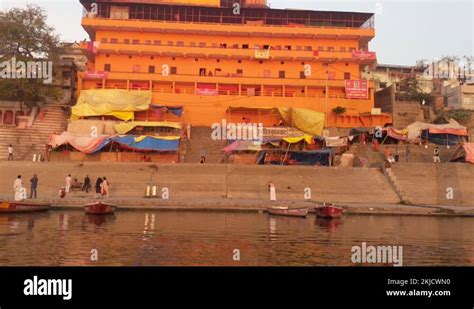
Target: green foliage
[[410, 90], [26, 36], [339, 110]]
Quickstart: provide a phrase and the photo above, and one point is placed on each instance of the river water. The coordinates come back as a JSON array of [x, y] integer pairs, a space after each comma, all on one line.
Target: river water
[[139, 238]]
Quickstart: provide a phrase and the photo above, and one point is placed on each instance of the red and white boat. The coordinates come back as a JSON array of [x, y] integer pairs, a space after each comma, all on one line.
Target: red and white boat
[[328, 211], [289, 212], [99, 208], [22, 206]]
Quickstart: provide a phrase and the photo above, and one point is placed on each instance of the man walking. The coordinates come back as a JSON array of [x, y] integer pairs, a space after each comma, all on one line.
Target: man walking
[[87, 184], [10, 153], [436, 158], [34, 186], [68, 183]]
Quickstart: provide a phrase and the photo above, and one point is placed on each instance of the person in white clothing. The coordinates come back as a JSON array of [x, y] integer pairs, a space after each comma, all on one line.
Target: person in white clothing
[[20, 191], [272, 190], [68, 183]]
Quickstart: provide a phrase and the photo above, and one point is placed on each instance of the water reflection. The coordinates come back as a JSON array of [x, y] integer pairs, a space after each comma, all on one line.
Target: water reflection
[[195, 238]]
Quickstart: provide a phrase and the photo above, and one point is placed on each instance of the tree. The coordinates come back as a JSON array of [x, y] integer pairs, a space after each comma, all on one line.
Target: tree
[[26, 38], [410, 90]]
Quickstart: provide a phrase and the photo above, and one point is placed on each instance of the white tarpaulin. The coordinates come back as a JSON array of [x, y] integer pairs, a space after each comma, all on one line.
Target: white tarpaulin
[[415, 129]]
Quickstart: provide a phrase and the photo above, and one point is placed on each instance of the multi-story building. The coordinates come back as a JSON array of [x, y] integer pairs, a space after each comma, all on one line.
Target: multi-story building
[[211, 55]]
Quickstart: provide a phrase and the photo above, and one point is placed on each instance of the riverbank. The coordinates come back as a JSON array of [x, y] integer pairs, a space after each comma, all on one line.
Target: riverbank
[[231, 205], [220, 187]]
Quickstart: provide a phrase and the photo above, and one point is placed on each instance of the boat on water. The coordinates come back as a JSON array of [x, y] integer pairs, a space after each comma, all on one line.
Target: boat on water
[[99, 208], [328, 211], [22, 206], [289, 212]]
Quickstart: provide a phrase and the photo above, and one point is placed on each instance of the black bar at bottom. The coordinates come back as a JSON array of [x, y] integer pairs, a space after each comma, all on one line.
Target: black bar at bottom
[[313, 285]]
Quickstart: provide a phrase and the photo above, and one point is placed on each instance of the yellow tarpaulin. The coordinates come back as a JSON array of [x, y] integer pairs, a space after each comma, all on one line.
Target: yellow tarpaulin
[[292, 140], [166, 138], [111, 102], [123, 128], [306, 120]]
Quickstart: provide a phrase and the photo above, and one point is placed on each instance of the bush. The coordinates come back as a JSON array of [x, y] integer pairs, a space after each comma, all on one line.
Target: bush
[[462, 116]]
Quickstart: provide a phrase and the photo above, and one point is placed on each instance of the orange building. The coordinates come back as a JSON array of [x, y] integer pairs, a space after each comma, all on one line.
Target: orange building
[[211, 56]]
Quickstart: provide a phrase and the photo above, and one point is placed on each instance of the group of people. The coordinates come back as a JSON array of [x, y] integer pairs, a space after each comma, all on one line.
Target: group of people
[[101, 185], [20, 190]]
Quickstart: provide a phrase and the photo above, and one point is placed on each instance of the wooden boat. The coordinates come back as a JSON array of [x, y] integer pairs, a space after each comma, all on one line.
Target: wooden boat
[[22, 206], [328, 211], [99, 208], [286, 211]]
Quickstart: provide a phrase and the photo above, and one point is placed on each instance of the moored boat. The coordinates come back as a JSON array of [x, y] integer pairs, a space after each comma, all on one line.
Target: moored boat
[[328, 211], [99, 208], [290, 212], [22, 206]]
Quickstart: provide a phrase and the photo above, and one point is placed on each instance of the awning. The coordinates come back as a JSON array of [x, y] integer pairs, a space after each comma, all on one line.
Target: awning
[[111, 102], [123, 128], [415, 129], [147, 143], [306, 120], [83, 143], [400, 135]]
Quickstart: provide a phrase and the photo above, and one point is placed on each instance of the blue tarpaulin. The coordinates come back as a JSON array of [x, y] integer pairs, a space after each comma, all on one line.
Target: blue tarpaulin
[[148, 143], [318, 157], [442, 139]]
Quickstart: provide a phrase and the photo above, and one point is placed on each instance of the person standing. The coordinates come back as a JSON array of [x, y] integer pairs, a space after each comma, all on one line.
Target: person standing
[[397, 154], [10, 153], [203, 155], [18, 188], [68, 183], [407, 153], [375, 144], [87, 184], [272, 190], [34, 185], [105, 187], [98, 185], [363, 139], [436, 158]]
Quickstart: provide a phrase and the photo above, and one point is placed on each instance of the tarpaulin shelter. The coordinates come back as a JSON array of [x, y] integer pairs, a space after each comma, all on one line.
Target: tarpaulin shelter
[[89, 145], [317, 157], [125, 127], [118, 103], [306, 120], [463, 153], [452, 127], [175, 110]]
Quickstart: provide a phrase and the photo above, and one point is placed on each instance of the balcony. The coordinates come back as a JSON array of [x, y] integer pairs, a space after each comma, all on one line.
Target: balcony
[[92, 24], [225, 53]]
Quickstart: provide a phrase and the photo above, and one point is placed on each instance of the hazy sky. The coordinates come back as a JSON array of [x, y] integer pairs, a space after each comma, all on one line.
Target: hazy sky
[[405, 30]]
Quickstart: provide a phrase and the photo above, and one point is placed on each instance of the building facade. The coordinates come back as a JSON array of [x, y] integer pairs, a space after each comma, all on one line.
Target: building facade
[[209, 56]]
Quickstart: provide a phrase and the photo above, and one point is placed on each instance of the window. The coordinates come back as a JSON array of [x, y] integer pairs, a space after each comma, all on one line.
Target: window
[[136, 42], [156, 42], [330, 49], [281, 74], [107, 67], [202, 72], [113, 40], [302, 75], [103, 40], [126, 41], [352, 49], [235, 46], [240, 72], [347, 75], [173, 70], [245, 46], [308, 48], [266, 46], [151, 69], [136, 68], [180, 43], [288, 47], [202, 44]]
